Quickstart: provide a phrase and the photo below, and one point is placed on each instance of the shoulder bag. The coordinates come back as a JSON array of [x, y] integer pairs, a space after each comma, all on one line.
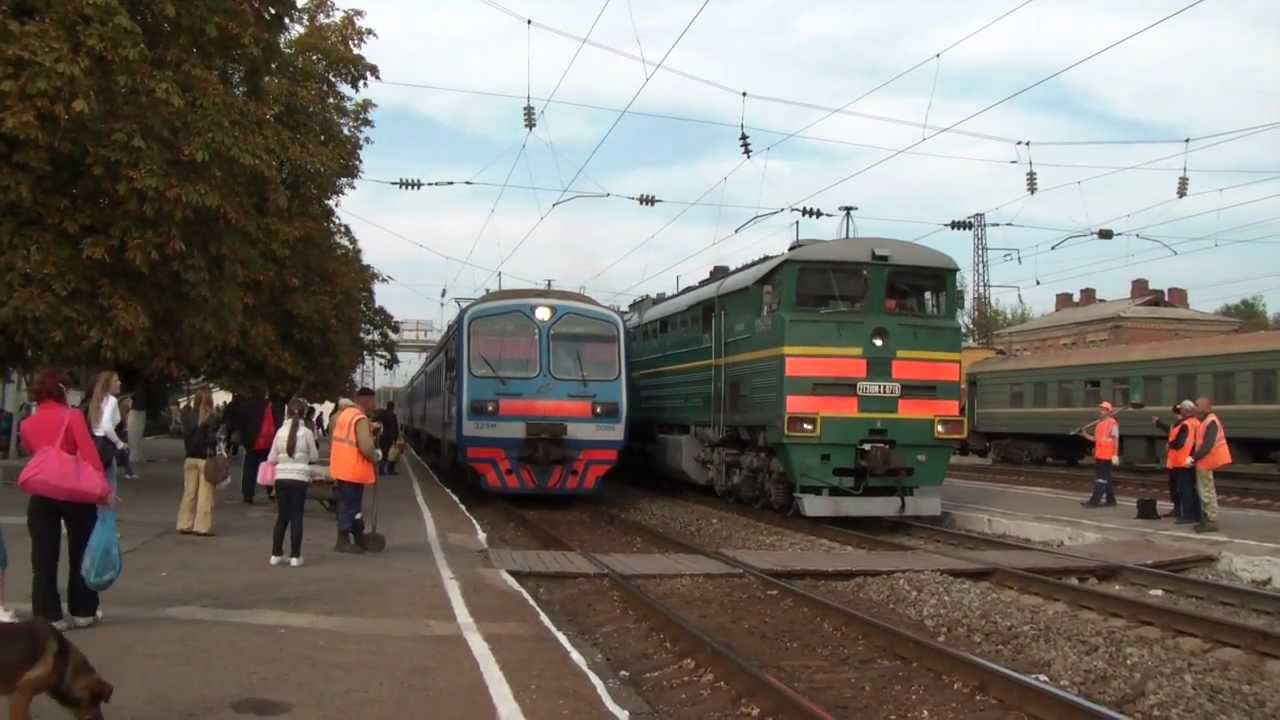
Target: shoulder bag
[[215, 464], [59, 475]]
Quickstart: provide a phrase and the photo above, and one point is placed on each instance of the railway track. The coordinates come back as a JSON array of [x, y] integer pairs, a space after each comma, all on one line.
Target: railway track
[[1260, 637], [789, 678], [1243, 490]]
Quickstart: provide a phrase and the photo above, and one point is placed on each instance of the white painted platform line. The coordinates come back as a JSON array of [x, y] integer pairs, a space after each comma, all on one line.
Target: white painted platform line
[[504, 701], [1185, 535], [596, 681]]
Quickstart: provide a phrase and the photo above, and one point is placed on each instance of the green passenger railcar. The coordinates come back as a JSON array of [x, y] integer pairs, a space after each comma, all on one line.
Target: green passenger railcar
[[826, 378], [1023, 408]]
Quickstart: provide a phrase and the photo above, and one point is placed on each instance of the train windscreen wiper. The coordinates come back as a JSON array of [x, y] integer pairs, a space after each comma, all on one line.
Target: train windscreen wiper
[[492, 369], [582, 371]]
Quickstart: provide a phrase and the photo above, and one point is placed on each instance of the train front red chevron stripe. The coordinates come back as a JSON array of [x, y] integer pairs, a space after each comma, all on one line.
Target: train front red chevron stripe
[[926, 370], [928, 407], [826, 367], [544, 408], [822, 405]]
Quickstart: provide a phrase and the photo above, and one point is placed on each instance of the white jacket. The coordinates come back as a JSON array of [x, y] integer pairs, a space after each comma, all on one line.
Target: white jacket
[[296, 466]]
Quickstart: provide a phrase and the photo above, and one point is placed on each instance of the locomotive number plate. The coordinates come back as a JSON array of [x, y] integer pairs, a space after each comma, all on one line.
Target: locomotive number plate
[[879, 389]]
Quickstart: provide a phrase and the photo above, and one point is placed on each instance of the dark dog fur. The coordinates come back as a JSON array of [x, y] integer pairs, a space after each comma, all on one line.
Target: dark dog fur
[[36, 659]]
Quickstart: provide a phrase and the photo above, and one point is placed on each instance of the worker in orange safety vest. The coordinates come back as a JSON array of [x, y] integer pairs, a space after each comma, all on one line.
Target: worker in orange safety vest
[[353, 452], [1210, 454], [1106, 453], [1182, 477]]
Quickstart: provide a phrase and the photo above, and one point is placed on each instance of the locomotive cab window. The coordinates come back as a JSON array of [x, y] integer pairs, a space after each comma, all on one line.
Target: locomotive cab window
[[830, 288], [584, 348], [503, 346], [916, 293]]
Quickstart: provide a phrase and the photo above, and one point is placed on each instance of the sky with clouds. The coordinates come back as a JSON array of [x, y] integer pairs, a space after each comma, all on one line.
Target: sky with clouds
[[455, 75]]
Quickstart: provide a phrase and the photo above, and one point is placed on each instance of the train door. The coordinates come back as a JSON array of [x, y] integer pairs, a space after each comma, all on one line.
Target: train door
[[718, 367]]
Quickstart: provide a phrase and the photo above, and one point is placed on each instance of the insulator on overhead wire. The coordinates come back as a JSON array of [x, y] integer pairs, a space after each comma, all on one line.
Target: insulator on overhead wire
[[960, 224], [646, 200], [1183, 182], [409, 184], [1032, 183], [530, 120], [745, 141], [811, 212]]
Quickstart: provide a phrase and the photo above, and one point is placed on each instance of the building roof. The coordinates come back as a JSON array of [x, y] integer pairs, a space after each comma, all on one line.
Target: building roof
[[1210, 346], [1127, 309]]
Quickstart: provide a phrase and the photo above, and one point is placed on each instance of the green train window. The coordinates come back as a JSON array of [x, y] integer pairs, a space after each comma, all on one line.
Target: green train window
[[1015, 395], [1120, 394], [1224, 388], [916, 293], [1264, 387], [1092, 392], [1153, 390], [1040, 395], [1066, 398], [1187, 388], [831, 288]]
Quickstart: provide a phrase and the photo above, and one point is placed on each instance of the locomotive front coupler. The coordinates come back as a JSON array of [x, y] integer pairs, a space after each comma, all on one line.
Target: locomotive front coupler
[[544, 443]]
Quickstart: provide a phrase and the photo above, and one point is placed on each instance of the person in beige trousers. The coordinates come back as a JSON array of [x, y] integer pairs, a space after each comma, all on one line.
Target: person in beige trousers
[[200, 433]]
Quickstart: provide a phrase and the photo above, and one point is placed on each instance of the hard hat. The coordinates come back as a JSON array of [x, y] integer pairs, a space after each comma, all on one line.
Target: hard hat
[[1105, 405]]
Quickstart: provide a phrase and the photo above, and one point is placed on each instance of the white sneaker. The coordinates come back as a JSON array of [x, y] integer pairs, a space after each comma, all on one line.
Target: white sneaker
[[277, 560], [295, 562], [61, 625], [7, 615], [78, 623]]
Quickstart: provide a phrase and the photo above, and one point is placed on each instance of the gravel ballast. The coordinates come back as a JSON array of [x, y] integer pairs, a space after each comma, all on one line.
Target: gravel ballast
[[716, 530]]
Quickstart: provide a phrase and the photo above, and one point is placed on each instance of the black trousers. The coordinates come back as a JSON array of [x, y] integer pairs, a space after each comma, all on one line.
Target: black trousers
[[1103, 487], [249, 475], [291, 500], [1189, 498], [45, 519]]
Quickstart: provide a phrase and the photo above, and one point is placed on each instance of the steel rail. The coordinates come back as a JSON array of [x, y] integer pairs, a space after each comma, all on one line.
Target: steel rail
[[770, 692], [1020, 691]]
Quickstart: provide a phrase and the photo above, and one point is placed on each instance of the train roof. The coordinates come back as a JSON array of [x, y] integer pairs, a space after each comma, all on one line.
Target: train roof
[[535, 293], [1204, 346], [843, 250]]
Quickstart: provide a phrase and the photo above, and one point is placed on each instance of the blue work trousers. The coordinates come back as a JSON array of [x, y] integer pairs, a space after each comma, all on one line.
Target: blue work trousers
[[350, 506]]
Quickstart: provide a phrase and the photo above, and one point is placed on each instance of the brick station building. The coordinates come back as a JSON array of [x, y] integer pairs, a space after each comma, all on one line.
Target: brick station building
[[1147, 315]]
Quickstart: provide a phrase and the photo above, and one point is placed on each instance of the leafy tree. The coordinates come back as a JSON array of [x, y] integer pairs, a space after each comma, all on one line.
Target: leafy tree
[[1252, 311], [167, 178]]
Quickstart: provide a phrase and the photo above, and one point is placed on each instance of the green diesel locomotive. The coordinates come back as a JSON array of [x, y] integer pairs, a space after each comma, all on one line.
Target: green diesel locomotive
[[825, 379], [1022, 408]]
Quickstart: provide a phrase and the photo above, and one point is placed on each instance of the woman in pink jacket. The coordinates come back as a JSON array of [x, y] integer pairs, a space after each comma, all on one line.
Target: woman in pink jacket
[[47, 517]]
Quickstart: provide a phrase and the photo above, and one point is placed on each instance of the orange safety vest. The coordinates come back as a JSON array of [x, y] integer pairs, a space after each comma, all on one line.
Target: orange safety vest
[[346, 462], [1104, 445], [1178, 458], [1220, 455]]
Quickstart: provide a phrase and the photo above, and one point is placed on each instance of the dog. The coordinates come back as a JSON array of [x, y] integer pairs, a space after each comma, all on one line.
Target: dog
[[35, 659]]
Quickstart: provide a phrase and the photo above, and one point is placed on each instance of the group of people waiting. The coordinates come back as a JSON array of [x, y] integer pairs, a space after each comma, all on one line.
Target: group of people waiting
[[284, 434], [1197, 446]]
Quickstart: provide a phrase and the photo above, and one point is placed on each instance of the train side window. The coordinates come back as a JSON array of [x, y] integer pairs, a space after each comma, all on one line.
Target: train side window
[[708, 312], [1264, 387], [1015, 395], [663, 326], [1092, 392], [1120, 394], [1224, 388], [1153, 390], [1187, 388], [1040, 395], [1066, 398]]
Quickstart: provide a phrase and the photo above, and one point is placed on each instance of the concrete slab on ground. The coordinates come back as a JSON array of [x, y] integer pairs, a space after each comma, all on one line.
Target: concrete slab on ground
[[205, 628]]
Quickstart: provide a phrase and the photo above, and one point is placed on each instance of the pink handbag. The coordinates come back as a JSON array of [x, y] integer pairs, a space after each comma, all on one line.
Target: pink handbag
[[267, 474], [57, 474]]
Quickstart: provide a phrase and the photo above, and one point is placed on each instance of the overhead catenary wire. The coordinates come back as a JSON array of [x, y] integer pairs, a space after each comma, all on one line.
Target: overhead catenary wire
[[606, 135]]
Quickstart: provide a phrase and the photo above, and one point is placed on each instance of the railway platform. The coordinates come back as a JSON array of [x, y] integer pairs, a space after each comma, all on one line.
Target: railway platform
[[205, 628], [1248, 544]]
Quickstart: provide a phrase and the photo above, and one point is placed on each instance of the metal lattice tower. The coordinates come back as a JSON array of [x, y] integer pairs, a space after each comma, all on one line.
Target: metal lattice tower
[[980, 309]]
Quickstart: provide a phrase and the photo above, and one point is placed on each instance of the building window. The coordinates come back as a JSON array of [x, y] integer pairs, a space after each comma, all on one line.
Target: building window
[[1224, 388], [1066, 398], [1092, 392], [1040, 395], [1264, 387], [1153, 390], [1015, 395], [1187, 388]]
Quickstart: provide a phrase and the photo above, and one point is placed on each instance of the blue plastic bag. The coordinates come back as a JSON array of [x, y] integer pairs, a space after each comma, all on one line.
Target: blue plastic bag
[[102, 560]]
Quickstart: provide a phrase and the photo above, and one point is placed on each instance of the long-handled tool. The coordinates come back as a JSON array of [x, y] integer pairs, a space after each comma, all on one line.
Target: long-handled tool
[[374, 541], [1113, 413]]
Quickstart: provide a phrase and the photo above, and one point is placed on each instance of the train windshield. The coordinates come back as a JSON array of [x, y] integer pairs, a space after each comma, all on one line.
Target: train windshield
[[831, 288], [584, 348], [916, 292], [503, 346]]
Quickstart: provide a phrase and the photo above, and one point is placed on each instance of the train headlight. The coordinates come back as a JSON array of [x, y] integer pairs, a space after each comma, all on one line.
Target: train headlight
[[484, 407], [802, 425], [879, 337], [543, 313], [950, 428], [604, 410]]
